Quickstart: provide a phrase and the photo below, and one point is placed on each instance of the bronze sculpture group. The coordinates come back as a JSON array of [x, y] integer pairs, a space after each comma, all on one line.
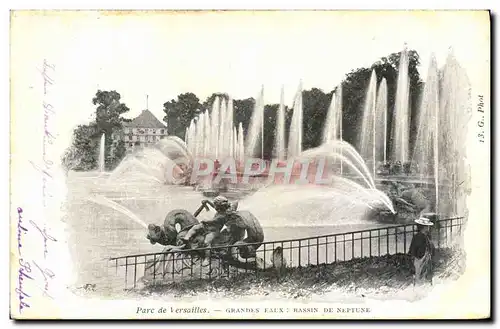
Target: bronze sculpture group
[[182, 231]]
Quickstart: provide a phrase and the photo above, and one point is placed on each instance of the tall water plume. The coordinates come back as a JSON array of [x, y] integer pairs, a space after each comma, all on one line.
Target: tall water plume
[[381, 110], [215, 126], [231, 143], [207, 150], [280, 151], [241, 143], [213, 135], [370, 125], [228, 128], [191, 141], [102, 148], [332, 130], [199, 136], [425, 153], [195, 140], [452, 172], [333, 125], [340, 128], [222, 130], [329, 129], [401, 118], [295, 138], [234, 146], [254, 134]]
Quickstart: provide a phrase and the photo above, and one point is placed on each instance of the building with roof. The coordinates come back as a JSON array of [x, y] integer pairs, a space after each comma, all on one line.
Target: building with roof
[[142, 131]]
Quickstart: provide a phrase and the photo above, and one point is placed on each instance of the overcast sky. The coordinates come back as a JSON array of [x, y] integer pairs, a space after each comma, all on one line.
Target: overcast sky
[[163, 55]]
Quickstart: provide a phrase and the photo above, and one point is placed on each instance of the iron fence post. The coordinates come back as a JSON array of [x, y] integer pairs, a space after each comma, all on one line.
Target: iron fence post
[[317, 251], [126, 271], [135, 271], [370, 237], [300, 252], [396, 240], [154, 266], [387, 240]]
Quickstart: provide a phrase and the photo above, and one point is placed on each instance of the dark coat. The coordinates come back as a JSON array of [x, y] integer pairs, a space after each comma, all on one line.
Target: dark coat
[[420, 243]]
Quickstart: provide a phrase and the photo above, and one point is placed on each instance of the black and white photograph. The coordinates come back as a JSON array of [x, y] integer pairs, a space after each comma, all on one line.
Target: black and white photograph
[[250, 164]]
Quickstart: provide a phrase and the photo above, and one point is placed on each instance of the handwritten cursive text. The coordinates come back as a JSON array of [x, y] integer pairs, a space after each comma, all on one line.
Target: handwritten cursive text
[[47, 275], [48, 134], [21, 230], [46, 237], [47, 79], [23, 273]]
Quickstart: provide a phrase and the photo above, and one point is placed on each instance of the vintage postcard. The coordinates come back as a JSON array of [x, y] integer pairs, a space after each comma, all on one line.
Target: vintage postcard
[[250, 165]]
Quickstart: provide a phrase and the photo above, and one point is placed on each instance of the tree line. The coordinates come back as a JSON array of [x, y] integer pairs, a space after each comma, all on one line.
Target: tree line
[[83, 152]]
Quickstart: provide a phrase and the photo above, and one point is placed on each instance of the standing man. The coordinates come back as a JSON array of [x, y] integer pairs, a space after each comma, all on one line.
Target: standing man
[[421, 250]]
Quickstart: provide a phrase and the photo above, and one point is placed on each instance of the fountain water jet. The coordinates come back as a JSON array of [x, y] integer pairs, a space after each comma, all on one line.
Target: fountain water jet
[[222, 130], [255, 128], [381, 110], [279, 147], [208, 135], [165, 156], [235, 145], [213, 135], [425, 153], [295, 138], [101, 200], [334, 155], [373, 135], [229, 128], [342, 146], [215, 127], [452, 171], [102, 159], [191, 140], [401, 119], [369, 128], [332, 130], [343, 151], [241, 145]]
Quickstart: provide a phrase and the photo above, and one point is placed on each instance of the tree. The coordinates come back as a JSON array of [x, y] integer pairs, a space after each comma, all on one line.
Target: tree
[[115, 152], [243, 109], [180, 112], [208, 103], [109, 111], [108, 120], [83, 152], [315, 104], [353, 95]]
